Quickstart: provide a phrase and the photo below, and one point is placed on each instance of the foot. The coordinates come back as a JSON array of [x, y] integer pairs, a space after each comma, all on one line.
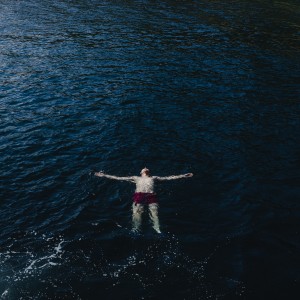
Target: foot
[[157, 230]]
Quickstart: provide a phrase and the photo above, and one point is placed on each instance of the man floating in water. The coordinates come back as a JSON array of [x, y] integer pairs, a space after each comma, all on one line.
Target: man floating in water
[[144, 195]]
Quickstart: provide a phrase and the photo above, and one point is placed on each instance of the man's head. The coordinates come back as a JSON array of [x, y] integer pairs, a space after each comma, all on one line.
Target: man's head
[[145, 172]]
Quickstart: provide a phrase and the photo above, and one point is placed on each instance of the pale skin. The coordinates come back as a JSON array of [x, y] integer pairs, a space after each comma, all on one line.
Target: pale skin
[[144, 184]]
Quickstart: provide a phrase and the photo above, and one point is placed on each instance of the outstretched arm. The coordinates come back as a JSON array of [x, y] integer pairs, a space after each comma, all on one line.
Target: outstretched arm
[[172, 177], [101, 174]]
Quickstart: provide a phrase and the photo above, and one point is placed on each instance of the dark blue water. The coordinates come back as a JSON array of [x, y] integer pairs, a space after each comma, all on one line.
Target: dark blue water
[[209, 87]]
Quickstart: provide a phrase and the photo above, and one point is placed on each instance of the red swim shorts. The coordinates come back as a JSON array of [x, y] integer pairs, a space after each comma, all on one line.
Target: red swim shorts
[[145, 198]]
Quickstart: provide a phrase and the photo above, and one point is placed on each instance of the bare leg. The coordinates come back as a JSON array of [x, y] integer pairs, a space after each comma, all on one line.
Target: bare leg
[[137, 210], [153, 212]]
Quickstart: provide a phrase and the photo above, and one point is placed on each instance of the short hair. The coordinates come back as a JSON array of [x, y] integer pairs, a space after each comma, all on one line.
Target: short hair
[[145, 170]]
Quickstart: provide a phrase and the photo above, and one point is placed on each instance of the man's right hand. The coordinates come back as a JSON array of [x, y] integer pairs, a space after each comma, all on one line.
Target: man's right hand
[[189, 175]]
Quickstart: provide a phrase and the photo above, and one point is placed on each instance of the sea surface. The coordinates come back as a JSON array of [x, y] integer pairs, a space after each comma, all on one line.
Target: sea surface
[[208, 87]]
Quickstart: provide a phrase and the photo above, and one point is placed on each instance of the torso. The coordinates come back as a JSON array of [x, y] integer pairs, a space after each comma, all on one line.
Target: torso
[[144, 184]]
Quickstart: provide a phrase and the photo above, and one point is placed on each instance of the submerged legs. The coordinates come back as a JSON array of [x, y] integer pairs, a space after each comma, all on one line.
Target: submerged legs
[[153, 213], [137, 210]]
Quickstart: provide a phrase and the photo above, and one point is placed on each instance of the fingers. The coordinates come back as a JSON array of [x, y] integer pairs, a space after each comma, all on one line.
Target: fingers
[[189, 175], [99, 174]]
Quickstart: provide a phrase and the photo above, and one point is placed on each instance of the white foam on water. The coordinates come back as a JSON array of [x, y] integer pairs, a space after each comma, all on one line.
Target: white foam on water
[[44, 261], [4, 294], [159, 258], [118, 225]]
